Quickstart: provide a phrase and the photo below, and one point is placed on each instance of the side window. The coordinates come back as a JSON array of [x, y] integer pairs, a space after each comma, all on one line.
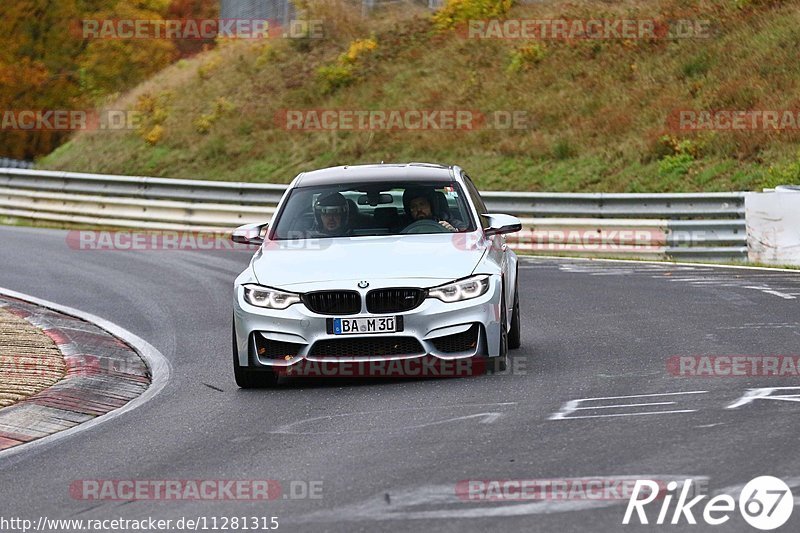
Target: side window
[[477, 200]]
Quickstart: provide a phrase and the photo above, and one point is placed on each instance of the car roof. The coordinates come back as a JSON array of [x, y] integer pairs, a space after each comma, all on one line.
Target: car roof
[[382, 172]]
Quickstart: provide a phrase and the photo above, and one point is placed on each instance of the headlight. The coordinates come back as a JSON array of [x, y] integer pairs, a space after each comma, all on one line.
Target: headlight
[[464, 289], [269, 298]]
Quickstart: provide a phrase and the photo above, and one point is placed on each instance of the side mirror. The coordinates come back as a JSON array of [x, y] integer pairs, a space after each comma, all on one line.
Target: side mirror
[[501, 224], [250, 233]]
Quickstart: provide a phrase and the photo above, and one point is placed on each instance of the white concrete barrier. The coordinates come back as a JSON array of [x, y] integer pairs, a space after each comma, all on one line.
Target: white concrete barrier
[[773, 227]]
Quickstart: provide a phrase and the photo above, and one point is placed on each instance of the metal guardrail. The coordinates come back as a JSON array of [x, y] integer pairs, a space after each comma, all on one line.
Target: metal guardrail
[[679, 226], [617, 205], [143, 187]]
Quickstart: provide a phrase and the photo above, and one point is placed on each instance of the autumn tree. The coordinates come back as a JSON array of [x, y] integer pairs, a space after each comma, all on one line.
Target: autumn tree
[[47, 63]]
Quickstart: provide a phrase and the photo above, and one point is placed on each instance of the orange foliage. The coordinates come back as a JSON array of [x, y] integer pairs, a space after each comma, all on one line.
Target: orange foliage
[[47, 64]]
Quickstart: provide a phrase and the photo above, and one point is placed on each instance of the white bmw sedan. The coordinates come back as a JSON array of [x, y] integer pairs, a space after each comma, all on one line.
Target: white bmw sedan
[[366, 269]]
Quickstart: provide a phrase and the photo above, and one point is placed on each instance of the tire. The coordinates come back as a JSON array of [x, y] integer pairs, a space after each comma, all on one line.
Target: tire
[[501, 362], [247, 378], [515, 335]]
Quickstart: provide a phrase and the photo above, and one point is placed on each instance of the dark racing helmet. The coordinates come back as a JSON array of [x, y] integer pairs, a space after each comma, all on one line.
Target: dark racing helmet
[[332, 204], [419, 192]]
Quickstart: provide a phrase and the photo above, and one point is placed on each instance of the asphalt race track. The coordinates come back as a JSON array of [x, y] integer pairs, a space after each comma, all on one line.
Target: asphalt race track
[[389, 454]]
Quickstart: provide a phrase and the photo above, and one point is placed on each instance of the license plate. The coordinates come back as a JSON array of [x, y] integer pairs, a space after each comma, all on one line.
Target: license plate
[[352, 326]]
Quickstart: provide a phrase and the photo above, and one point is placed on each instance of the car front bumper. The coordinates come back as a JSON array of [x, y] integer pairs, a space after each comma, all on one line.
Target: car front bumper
[[439, 328]]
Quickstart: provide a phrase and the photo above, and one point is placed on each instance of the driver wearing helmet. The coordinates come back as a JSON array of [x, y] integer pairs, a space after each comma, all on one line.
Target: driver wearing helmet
[[419, 205], [332, 215]]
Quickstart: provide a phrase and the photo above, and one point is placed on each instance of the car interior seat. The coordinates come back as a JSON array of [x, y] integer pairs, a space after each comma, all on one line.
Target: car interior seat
[[441, 209], [387, 217]]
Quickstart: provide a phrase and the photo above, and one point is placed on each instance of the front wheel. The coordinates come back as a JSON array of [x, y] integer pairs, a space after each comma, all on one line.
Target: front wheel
[[247, 378], [501, 362], [515, 335]]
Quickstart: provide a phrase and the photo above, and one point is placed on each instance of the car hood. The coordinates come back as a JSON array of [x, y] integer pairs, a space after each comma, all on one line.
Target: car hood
[[436, 258]]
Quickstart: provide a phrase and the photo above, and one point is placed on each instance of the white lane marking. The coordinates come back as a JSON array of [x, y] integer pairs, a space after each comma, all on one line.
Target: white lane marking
[[663, 264], [490, 418], [572, 406], [485, 418], [624, 405], [727, 282], [711, 275], [628, 414], [789, 325], [768, 290], [647, 395], [599, 272], [714, 284], [787, 289], [689, 280], [699, 278], [630, 374], [765, 393], [160, 370]]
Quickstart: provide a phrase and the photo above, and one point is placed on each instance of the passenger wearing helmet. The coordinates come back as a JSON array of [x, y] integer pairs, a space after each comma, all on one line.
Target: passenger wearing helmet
[[332, 214], [420, 204]]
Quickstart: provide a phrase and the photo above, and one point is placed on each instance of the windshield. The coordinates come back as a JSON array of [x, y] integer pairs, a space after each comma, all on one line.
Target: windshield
[[369, 209]]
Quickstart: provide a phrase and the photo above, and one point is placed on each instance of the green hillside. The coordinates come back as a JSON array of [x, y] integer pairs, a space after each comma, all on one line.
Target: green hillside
[[597, 109]]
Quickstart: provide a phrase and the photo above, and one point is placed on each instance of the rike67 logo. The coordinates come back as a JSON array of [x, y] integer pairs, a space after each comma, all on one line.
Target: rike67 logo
[[765, 503]]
